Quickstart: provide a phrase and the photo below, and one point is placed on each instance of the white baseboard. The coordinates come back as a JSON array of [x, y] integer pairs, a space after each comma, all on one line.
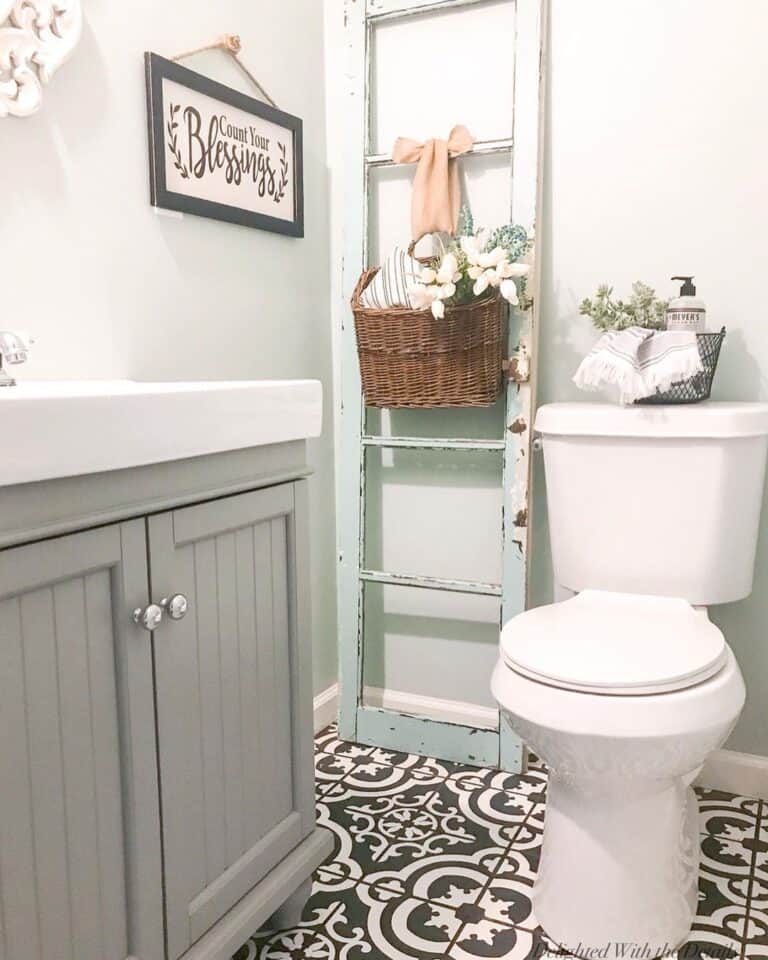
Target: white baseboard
[[742, 773], [326, 706], [745, 774], [436, 708]]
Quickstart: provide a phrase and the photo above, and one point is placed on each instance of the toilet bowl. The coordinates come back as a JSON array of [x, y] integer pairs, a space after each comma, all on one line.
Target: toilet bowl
[[623, 737], [626, 688]]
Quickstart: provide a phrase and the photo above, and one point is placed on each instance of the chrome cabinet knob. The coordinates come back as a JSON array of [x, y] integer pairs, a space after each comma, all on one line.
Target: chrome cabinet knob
[[175, 606], [149, 617]]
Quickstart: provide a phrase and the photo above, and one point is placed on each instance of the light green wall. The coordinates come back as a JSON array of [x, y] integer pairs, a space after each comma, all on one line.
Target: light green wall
[[111, 289], [655, 165]]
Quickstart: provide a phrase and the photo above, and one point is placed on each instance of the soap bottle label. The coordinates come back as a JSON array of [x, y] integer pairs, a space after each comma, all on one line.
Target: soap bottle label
[[686, 318]]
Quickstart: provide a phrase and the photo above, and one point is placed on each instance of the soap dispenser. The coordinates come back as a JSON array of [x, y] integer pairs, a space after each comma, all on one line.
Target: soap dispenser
[[686, 312]]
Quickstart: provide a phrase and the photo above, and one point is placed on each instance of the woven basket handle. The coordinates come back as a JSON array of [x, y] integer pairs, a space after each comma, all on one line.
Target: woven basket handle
[[412, 247]]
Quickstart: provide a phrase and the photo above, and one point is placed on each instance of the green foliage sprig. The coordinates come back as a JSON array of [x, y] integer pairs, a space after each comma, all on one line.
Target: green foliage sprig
[[466, 226], [511, 237], [643, 309]]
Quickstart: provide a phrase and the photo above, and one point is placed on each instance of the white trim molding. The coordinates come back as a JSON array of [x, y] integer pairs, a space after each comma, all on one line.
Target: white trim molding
[[743, 773], [326, 707], [435, 708]]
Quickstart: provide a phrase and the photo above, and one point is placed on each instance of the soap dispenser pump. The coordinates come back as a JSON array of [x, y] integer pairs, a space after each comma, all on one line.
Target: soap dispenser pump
[[686, 312]]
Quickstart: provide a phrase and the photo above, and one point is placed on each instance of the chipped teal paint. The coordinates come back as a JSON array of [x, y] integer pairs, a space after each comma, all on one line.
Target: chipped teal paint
[[351, 414], [430, 738], [480, 148], [391, 9], [427, 443], [432, 583], [374, 725], [528, 130]]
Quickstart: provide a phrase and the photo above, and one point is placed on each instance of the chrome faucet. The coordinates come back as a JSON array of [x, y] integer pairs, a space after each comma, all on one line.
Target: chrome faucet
[[14, 348]]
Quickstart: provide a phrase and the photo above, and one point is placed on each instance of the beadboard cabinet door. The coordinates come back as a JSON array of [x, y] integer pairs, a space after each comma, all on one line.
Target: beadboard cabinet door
[[80, 868], [233, 699]]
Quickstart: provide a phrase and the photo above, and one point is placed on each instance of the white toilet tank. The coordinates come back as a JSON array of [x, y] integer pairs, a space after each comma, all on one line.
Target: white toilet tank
[[660, 500]]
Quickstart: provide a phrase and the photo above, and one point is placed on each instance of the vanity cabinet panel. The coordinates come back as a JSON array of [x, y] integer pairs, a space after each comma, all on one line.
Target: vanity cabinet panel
[[156, 775], [79, 869], [234, 731]]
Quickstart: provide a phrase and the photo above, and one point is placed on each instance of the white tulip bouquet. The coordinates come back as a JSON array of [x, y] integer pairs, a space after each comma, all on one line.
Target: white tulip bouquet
[[472, 264]]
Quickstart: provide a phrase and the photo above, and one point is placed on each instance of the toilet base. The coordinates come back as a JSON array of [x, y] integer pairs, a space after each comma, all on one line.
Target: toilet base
[[619, 867]]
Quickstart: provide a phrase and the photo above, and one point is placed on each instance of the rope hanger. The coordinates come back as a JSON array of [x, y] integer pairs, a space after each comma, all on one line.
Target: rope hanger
[[230, 43]]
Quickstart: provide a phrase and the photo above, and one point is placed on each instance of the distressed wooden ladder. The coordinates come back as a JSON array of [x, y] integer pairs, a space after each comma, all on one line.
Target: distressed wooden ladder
[[372, 725]]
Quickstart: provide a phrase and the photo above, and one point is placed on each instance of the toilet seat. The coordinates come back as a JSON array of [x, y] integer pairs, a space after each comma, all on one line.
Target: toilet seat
[[615, 643]]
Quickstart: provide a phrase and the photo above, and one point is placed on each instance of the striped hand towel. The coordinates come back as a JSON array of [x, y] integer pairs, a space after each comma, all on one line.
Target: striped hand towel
[[389, 288], [639, 361]]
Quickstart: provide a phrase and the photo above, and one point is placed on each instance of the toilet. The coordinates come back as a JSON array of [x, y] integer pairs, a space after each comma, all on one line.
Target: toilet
[[624, 686]]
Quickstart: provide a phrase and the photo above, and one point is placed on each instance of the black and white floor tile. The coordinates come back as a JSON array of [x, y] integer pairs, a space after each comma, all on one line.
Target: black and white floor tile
[[436, 860]]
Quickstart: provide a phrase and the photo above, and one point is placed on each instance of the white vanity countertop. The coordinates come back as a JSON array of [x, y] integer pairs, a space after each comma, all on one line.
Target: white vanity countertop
[[67, 428]]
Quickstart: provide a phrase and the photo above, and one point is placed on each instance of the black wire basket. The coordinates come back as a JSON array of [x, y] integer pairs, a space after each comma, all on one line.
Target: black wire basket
[[698, 387]]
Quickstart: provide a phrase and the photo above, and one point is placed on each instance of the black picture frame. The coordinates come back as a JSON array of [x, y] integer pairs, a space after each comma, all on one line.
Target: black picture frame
[[157, 69]]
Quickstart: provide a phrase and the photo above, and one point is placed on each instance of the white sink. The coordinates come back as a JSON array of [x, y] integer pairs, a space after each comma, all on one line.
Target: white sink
[[62, 429]]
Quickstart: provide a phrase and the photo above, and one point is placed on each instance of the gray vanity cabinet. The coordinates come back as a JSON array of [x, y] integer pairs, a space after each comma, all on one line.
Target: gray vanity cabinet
[[79, 875], [236, 794], [156, 787]]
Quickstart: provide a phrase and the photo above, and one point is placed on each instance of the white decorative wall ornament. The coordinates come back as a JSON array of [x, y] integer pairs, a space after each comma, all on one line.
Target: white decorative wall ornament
[[36, 38]]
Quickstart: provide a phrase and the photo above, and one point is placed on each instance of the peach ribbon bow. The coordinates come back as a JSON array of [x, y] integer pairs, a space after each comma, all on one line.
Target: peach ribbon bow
[[436, 191]]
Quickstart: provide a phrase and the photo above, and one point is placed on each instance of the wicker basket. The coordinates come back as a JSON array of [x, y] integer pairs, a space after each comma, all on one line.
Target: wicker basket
[[699, 387], [410, 359]]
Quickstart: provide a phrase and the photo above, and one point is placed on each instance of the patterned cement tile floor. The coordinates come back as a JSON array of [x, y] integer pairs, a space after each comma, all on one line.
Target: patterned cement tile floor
[[436, 860]]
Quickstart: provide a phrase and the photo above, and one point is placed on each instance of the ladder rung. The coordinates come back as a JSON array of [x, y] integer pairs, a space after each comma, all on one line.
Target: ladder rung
[[432, 583], [389, 10], [431, 443], [481, 148]]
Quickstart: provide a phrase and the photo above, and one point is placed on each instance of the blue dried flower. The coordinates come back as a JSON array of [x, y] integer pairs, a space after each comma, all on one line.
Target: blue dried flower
[[511, 237]]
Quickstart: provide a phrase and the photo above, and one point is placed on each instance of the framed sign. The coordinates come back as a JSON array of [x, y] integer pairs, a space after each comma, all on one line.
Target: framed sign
[[216, 152]]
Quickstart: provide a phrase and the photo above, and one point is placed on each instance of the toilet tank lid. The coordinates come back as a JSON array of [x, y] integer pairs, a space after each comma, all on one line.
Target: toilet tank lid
[[711, 419]]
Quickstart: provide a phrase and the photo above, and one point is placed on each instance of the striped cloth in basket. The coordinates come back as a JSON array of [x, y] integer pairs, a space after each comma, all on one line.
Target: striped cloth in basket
[[389, 288]]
